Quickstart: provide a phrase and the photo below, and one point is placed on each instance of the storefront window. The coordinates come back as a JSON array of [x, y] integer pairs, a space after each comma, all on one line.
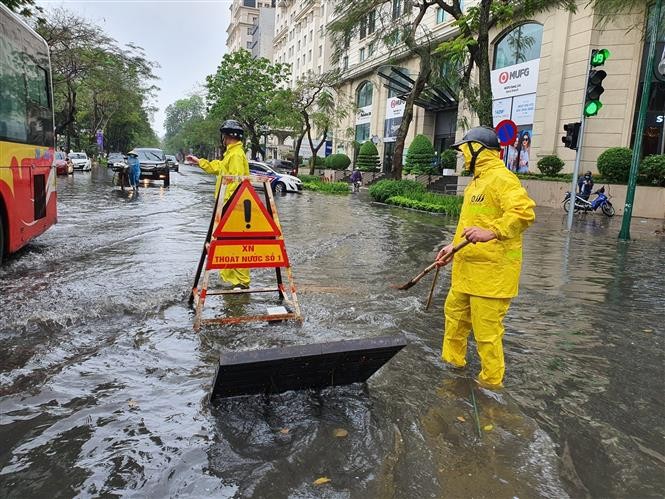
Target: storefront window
[[364, 114], [522, 44], [653, 140], [364, 95]]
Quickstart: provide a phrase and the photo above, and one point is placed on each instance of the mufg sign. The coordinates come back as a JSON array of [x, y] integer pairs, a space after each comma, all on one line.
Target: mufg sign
[[518, 79]]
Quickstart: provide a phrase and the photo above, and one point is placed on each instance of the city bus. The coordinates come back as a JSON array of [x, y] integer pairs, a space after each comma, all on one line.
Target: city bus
[[27, 172]]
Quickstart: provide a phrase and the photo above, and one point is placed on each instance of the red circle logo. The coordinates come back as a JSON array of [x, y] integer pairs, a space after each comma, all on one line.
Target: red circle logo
[[503, 77]]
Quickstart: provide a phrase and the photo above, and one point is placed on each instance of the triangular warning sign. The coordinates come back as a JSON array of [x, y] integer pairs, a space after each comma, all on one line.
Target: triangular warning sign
[[246, 216]]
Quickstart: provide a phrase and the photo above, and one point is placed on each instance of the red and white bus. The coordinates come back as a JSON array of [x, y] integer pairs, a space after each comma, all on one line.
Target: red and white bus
[[27, 174]]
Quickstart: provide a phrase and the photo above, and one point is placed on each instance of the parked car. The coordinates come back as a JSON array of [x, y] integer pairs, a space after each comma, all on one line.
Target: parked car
[[80, 161], [153, 165], [63, 166], [115, 159], [281, 165], [279, 182], [172, 162]]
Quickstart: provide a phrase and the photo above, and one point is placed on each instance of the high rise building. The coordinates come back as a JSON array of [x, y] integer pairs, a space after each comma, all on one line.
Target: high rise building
[[245, 16]]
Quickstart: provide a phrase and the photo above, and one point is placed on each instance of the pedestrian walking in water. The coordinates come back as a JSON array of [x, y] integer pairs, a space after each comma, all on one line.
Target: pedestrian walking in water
[[235, 163], [134, 169], [485, 275]]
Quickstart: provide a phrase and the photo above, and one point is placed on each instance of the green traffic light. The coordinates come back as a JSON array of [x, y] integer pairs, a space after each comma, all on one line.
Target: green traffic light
[[599, 57], [592, 108]]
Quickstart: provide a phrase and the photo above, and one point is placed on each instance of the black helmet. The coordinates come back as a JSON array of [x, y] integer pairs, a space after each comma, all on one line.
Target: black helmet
[[483, 135], [232, 128]]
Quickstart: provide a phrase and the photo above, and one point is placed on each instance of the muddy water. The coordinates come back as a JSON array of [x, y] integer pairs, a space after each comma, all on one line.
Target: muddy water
[[103, 383]]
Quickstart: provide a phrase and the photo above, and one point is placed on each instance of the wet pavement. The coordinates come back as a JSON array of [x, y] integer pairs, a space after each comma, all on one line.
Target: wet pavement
[[104, 384]]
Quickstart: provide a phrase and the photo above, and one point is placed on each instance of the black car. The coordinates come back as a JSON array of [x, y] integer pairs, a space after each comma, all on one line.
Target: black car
[[153, 165], [172, 162]]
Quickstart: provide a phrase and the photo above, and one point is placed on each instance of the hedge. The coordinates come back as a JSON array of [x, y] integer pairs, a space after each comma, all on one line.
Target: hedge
[[385, 189], [338, 162], [653, 168], [550, 165], [449, 159], [368, 158], [614, 163], [420, 156], [326, 187]]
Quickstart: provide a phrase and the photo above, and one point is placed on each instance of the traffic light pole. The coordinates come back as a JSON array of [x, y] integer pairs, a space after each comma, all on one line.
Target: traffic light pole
[[576, 169], [624, 235]]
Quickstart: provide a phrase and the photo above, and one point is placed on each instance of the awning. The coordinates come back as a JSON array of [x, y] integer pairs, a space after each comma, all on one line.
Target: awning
[[439, 98]]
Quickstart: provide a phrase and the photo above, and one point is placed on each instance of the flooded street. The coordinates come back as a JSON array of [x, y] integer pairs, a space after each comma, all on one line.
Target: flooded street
[[104, 384]]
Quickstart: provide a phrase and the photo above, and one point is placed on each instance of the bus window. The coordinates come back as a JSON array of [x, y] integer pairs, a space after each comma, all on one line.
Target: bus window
[[37, 86], [13, 109]]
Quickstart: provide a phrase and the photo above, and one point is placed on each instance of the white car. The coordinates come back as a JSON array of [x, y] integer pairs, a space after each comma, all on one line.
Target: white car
[[80, 161], [279, 182]]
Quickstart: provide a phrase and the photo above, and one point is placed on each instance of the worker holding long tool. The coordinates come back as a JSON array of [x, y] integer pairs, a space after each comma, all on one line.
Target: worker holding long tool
[[234, 163], [485, 275]]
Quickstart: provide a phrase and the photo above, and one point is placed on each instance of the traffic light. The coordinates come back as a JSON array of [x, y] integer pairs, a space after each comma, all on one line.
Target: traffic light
[[572, 135], [594, 87]]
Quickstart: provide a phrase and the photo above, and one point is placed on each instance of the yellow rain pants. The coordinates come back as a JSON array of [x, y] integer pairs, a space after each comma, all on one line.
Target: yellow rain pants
[[234, 163], [485, 276], [464, 312]]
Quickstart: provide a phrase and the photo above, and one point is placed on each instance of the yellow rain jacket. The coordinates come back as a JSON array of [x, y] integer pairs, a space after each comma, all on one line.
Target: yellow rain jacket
[[494, 200], [234, 163]]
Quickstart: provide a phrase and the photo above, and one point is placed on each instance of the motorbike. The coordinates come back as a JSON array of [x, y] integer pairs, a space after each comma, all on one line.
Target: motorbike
[[583, 205]]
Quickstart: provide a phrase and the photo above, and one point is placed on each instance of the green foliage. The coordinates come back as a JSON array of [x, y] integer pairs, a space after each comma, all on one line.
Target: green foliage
[[26, 8], [550, 165], [653, 168], [309, 178], [181, 112], [325, 187], [420, 156], [338, 161], [319, 161], [368, 158], [428, 201], [385, 189], [449, 159], [243, 88], [614, 163]]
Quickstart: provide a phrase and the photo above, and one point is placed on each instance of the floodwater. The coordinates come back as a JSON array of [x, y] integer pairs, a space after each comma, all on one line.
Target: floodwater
[[104, 384]]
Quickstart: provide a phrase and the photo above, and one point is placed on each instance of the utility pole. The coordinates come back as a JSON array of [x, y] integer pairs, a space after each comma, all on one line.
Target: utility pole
[[654, 22]]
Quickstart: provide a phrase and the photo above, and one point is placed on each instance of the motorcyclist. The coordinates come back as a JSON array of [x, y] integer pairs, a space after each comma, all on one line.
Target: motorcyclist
[[585, 185], [134, 169], [356, 179], [233, 163], [495, 212]]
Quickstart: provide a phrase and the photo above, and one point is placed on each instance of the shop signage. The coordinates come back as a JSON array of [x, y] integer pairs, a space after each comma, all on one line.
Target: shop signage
[[518, 79], [394, 108], [501, 110], [524, 107], [364, 115]]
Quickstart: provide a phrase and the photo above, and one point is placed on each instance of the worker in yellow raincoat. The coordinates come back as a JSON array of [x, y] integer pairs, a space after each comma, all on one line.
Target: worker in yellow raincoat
[[234, 162], [485, 275]]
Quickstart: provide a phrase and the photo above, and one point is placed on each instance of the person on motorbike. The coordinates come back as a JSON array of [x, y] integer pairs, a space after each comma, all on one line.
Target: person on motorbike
[[134, 170], [585, 185], [485, 275], [356, 179]]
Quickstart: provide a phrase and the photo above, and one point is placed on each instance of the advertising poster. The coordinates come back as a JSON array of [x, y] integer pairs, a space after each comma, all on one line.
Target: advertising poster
[[517, 155], [523, 109], [501, 110], [394, 113]]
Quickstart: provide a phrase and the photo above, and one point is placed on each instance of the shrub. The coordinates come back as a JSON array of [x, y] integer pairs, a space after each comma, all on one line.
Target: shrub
[[319, 161], [385, 189], [428, 201], [550, 165], [449, 159], [368, 157], [420, 156], [653, 168], [326, 187], [614, 164], [338, 162], [309, 178]]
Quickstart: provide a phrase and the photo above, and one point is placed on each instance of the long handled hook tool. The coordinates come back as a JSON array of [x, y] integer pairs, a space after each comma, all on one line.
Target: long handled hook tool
[[428, 269]]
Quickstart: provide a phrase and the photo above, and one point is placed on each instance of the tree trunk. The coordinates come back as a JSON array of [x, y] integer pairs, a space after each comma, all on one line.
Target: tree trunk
[[315, 150], [425, 70], [296, 152], [484, 109]]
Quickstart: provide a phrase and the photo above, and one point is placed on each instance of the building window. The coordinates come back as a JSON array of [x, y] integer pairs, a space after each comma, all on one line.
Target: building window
[[249, 44], [370, 49], [345, 62], [362, 54], [521, 44], [319, 69], [363, 28], [309, 58], [440, 15], [362, 132], [397, 8], [320, 50], [364, 94], [371, 22], [250, 30]]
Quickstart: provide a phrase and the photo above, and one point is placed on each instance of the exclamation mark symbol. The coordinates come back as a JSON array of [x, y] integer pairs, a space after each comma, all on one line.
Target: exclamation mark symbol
[[248, 212]]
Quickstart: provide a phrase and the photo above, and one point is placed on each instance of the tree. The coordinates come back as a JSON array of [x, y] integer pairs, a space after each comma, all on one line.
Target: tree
[[242, 89], [368, 157], [420, 156], [26, 8], [94, 79], [403, 34], [181, 112]]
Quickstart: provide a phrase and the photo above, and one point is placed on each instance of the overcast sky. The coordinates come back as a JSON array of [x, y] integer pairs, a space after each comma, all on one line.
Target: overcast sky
[[186, 37]]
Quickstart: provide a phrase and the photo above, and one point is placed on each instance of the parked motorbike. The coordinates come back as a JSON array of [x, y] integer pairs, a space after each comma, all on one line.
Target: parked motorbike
[[583, 205]]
